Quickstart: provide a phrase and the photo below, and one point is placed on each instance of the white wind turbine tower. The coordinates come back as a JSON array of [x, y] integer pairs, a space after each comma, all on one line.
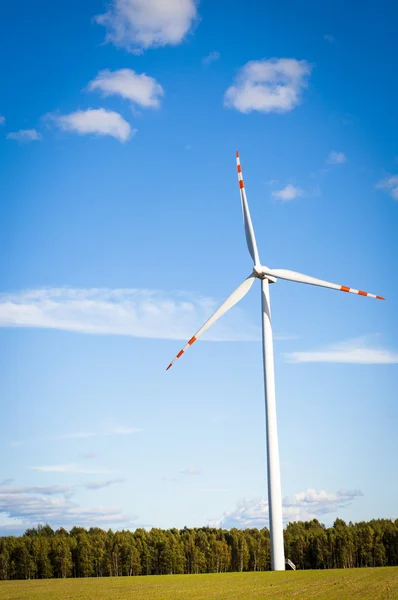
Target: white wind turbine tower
[[266, 277]]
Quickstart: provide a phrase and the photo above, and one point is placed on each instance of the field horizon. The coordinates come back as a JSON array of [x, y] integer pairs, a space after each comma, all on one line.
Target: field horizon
[[374, 583]]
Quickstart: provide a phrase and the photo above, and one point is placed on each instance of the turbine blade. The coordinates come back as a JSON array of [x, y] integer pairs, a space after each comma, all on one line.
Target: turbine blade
[[249, 231], [300, 278], [237, 295]]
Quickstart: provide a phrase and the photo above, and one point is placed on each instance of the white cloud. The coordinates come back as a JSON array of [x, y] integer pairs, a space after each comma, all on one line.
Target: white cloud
[[68, 469], [336, 158], [357, 351], [210, 58], [138, 88], [141, 24], [97, 121], [2, 120], [390, 184], [133, 312], [28, 506], [303, 506], [24, 135], [191, 471], [329, 38], [273, 85], [290, 192]]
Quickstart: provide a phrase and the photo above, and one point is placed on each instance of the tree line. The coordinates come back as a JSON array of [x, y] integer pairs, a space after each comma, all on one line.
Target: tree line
[[43, 553]]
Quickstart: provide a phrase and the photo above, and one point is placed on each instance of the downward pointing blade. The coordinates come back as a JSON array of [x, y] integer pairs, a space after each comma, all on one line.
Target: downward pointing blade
[[237, 295], [300, 278], [249, 231]]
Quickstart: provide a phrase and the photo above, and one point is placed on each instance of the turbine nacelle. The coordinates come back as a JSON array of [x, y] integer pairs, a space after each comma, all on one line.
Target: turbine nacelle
[[263, 273]]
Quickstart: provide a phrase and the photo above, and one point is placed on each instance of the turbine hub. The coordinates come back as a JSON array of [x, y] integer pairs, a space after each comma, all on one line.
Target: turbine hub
[[262, 273]]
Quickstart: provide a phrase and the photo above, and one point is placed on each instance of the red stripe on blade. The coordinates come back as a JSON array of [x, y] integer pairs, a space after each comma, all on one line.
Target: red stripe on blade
[[241, 184], [380, 298], [170, 365], [237, 154], [344, 289], [239, 169], [192, 340], [180, 354], [362, 293]]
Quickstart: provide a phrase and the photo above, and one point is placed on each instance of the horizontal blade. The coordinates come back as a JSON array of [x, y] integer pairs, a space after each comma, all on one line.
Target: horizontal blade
[[300, 278], [249, 231], [237, 295]]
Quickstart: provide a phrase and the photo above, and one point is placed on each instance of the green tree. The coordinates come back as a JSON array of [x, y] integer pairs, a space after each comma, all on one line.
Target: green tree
[[61, 556], [83, 556]]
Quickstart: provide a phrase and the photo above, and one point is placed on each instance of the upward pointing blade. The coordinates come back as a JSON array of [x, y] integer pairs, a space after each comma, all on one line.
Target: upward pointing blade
[[300, 278], [237, 295], [249, 231]]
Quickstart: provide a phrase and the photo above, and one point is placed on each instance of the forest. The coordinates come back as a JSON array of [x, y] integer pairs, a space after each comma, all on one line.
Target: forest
[[42, 553]]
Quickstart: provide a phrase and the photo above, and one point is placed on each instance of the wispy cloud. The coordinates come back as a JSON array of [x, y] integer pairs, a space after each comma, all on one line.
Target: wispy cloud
[[329, 38], [94, 434], [133, 312], [336, 158], [97, 485], [390, 185], [88, 455], [357, 351], [210, 58], [2, 120], [78, 435], [140, 24], [69, 468], [289, 192], [190, 471], [273, 85], [84, 435], [140, 89], [54, 490], [97, 121], [303, 506], [125, 430], [46, 490], [17, 443], [24, 135]]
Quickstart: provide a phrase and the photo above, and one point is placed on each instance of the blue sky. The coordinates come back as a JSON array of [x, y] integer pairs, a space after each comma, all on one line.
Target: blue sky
[[121, 232]]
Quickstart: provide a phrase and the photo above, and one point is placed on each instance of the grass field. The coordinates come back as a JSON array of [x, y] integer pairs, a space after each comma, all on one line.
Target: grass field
[[337, 584]]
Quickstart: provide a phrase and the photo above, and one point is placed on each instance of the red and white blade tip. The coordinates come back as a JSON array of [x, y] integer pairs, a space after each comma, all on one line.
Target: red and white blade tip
[[344, 288], [181, 352]]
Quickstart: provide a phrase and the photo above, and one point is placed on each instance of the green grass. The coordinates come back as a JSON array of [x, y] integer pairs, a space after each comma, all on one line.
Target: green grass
[[337, 584]]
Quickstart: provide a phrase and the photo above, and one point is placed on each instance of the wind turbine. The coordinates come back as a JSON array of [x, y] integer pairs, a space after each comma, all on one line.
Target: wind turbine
[[266, 277]]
